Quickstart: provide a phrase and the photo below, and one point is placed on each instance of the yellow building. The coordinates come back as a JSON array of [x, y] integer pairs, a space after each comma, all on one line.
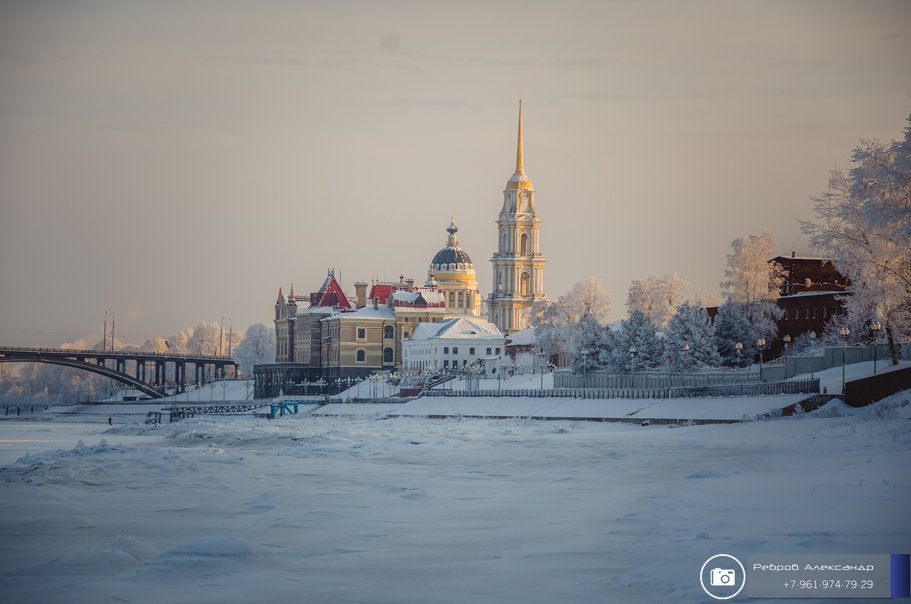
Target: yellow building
[[518, 266]]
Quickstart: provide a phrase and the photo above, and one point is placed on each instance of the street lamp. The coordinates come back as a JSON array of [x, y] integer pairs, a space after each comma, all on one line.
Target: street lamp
[[584, 352], [875, 327], [845, 332], [787, 340], [632, 351], [739, 347], [812, 337], [543, 356], [686, 349], [761, 343]]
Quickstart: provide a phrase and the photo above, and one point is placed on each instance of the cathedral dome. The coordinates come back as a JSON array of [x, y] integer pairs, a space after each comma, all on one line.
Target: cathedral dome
[[451, 254]]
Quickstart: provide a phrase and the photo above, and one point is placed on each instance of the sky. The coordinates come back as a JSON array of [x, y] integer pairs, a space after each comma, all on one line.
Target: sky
[[171, 162]]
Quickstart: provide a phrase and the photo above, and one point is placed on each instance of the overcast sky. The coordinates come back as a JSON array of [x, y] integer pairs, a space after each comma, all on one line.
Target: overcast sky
[[178, 161]]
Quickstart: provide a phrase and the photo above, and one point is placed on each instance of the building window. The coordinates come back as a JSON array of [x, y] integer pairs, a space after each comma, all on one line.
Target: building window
[[455, 350], [796, 315], [388, 332], [361, 355], [445, 349], [498, 351], [461, 300], [814, 313], [387, 355], [488, 352], [451, 299], [806, 313], [361, 332], [523, 245], [471, 351], [524, 284], [446, 364], [824, 309], [783, 319]]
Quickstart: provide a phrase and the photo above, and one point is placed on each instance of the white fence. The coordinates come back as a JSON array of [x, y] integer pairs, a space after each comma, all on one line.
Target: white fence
[[651, 380]]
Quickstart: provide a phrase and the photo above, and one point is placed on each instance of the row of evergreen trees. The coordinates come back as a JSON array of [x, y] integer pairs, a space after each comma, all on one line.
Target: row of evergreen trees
[[691, 341]]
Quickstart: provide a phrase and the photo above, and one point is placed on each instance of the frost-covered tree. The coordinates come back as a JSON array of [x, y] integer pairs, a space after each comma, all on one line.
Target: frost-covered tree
[[557, 323], [180, 340], [206, 340], [549, 321], [755, 283], [690, 327], [657, 297], [592, 344], [637, 332], [589, 297], [731, 328], [155, 345], [864, 226], [257, 347]]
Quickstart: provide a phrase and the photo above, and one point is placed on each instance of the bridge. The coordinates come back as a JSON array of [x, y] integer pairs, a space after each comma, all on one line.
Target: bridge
[[145, 371]]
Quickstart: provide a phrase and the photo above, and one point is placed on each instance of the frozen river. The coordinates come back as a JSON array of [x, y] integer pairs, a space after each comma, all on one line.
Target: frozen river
[[19, 438], [330, 509]]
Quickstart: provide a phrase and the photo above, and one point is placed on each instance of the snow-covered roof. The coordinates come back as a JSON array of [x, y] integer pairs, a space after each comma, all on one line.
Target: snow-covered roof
[[465, 328], [368, 312], [419, 298], [522, 337]]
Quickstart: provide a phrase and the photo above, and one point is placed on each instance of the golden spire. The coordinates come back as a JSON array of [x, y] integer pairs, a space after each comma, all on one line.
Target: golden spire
[[520, 167]]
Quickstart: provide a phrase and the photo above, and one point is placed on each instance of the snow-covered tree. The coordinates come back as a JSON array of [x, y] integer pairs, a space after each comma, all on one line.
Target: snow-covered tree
[[637, 332], [592, 344], [731, 328], [657, 297], [549, 321], [690, 341], [557, 323], [180, 340], [588, 297], [155, 345], [257, 347], [864, 227], [206, 340], [755, 283]]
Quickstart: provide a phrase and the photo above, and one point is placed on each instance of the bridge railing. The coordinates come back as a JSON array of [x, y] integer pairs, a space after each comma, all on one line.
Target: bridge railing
[[124, 353]]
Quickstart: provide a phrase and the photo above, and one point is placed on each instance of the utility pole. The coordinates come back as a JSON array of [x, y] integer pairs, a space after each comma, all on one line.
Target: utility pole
[[113, 318], [104, 338]]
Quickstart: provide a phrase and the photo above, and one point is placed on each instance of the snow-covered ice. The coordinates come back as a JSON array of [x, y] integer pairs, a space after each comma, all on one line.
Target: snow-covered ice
[[328, 508]]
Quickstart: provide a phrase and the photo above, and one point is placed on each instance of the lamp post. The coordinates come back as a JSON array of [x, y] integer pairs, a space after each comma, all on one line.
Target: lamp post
[[632, 351], [543, 356], [787, 340], [739, 347], [812, 337], [686, 349], [845, 332], [584, 352], [875, 327], [761, 343]]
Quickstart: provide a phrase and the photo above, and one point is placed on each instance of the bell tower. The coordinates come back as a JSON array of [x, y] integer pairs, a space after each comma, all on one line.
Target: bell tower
[[518, 266]]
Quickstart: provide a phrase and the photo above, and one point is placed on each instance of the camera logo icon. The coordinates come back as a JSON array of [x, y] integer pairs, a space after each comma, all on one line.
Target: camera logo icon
[[722, 577]]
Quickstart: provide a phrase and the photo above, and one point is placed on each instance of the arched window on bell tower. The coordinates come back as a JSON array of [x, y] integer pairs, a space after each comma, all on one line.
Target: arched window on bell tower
[[525, 281], [523, 244]]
